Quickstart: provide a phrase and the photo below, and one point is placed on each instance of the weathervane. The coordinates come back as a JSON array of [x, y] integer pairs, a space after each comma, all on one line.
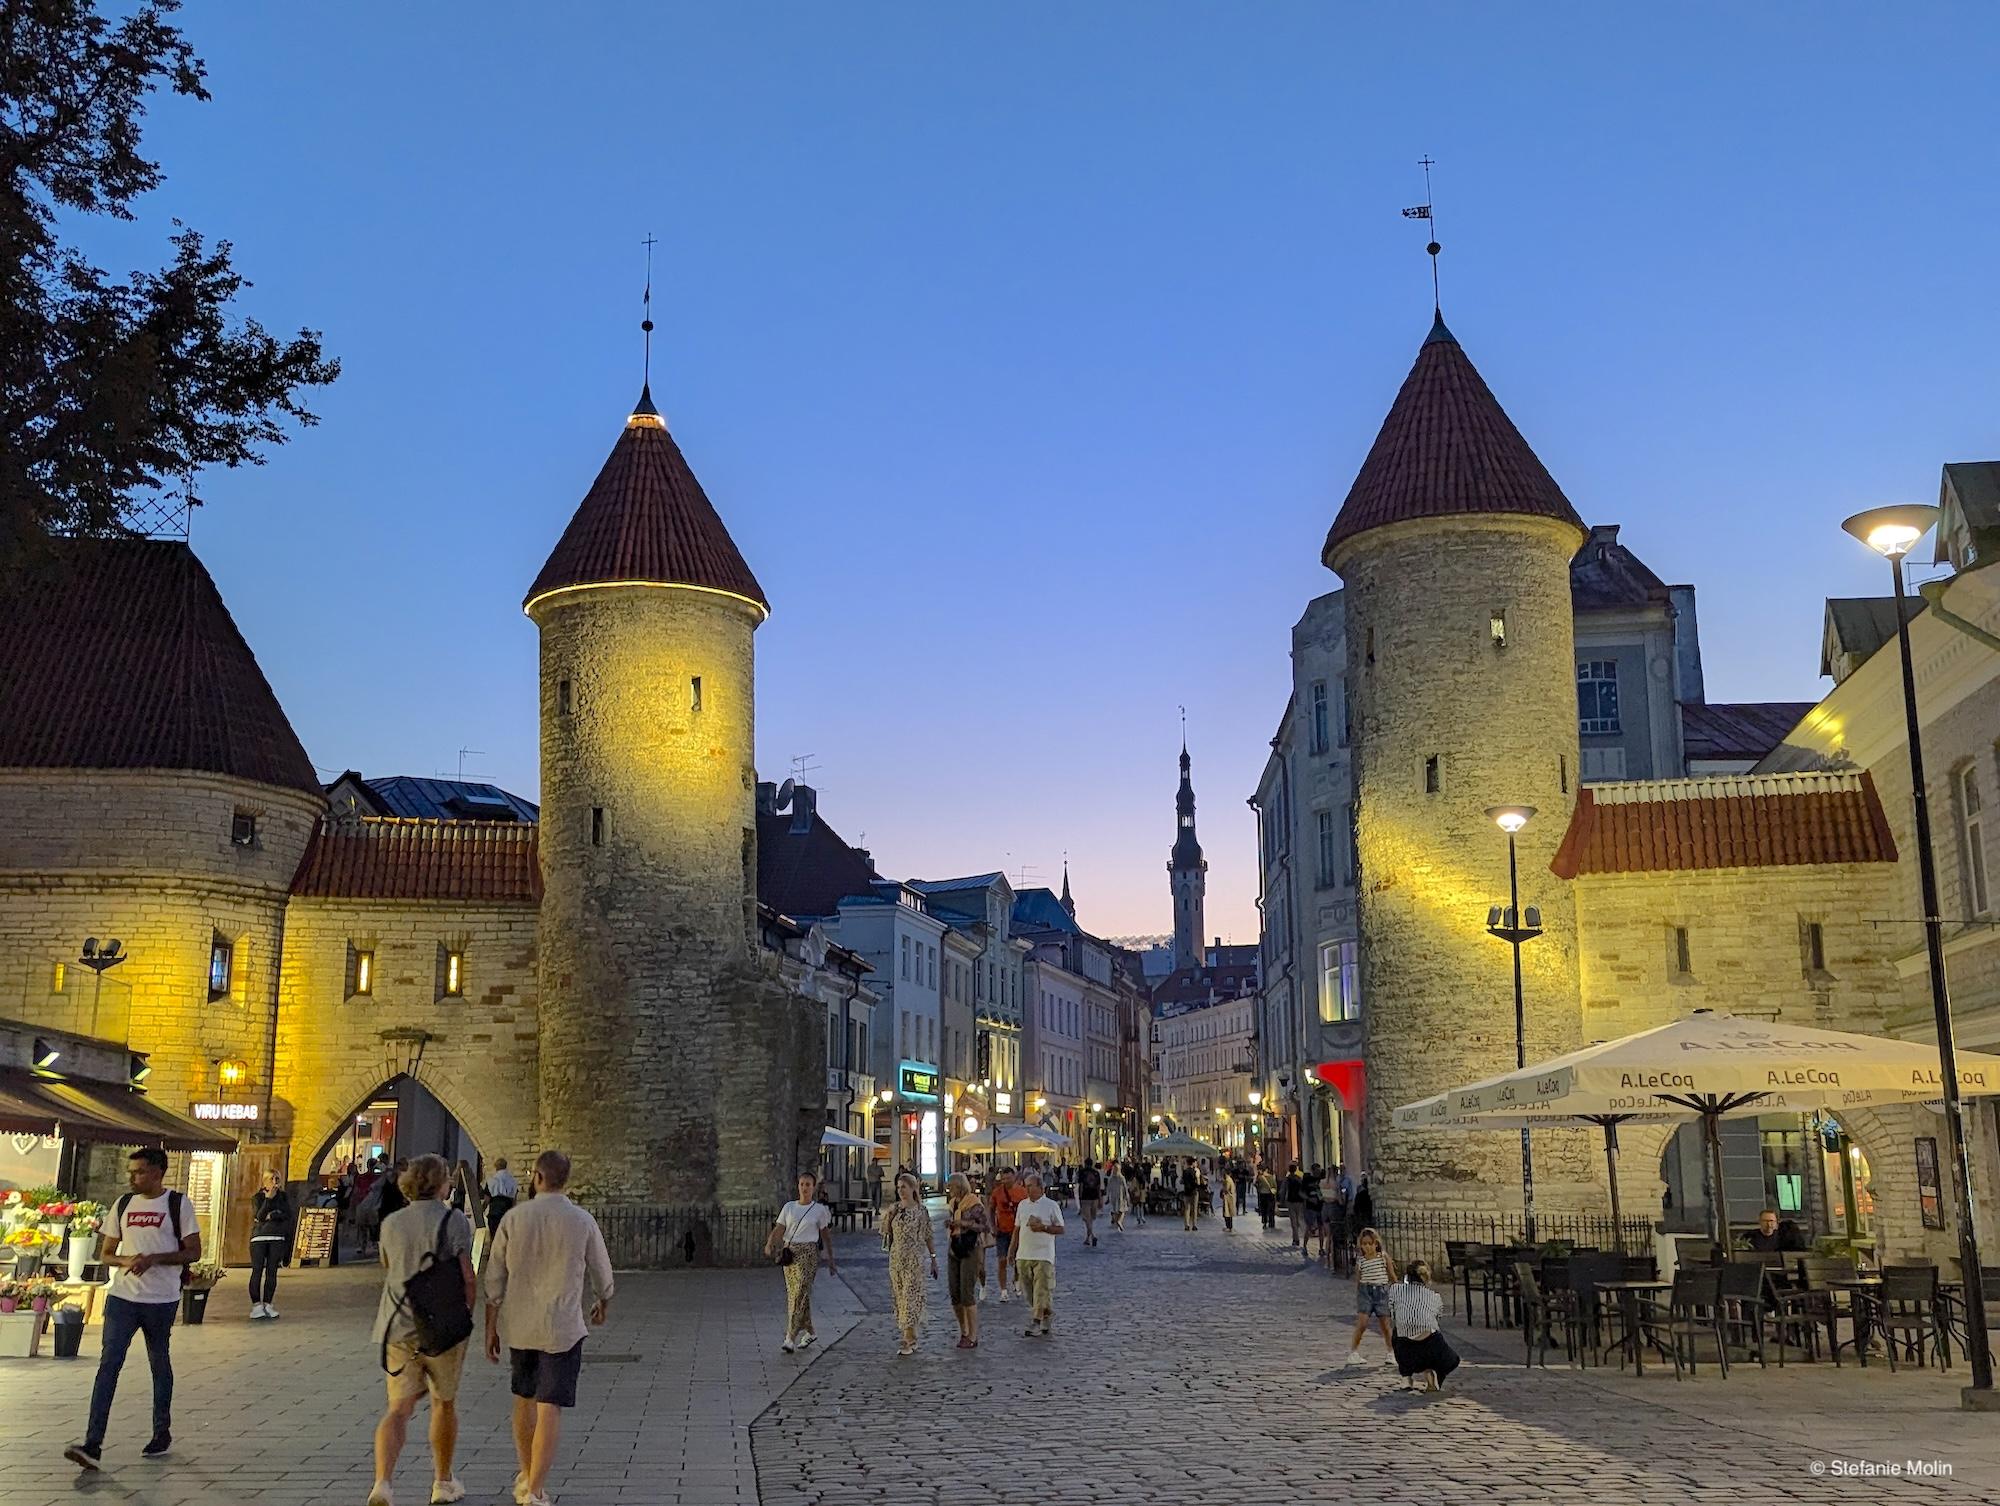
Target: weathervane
[[646, 323], [1423, 212]]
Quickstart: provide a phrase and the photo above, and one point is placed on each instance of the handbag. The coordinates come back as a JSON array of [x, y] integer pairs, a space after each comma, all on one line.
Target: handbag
[[785, 1256]]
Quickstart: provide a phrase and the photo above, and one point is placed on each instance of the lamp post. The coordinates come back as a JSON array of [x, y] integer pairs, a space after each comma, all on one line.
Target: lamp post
[[1890, 531], [101, 960], [1514, 928]]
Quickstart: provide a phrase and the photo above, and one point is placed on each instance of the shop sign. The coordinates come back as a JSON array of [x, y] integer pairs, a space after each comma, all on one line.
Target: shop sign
[[919, 1082], [234, 1112]]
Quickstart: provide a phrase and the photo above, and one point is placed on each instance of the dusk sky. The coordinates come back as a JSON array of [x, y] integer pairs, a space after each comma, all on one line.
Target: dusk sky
[[1028, 351]]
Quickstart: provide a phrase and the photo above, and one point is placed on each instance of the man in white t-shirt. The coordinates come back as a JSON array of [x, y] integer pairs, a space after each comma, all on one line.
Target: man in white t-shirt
[[150, 1237], [1037, 1222]]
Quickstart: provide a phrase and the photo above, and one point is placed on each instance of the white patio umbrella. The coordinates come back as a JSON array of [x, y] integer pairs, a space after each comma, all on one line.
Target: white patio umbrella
[[1009, 1137], [1713, 1065], [1179, 1143], [833, 1139]]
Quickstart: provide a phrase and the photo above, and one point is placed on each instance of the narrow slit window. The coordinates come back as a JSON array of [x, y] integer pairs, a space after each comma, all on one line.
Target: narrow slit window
[[597, 826], [360, 972], [1562, 771], [694, 693], [221, 966], [1683, 956], [451, 974], [1431, 776], [1815, 947], [1498, 626], [563, 702]]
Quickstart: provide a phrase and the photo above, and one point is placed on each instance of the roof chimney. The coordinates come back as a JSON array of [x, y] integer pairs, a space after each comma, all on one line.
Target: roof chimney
[[804, 803]]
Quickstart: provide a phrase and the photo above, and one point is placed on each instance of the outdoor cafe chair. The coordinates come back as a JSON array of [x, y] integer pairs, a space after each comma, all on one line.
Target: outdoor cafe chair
[[1455, 1272], [1482, 1276], [1542, 1310], [1954, 1304], [1692, 1312], [1908, 1311], [1743, 1304], [1812, 1301]]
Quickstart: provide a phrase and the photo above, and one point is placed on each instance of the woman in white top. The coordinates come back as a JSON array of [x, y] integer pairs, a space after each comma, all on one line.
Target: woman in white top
[[803, 1231], [1374, 1270], [1420, 1348]]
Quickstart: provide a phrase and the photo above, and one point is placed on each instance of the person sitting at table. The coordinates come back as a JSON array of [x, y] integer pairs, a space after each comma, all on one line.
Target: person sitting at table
[[1771, 1235]]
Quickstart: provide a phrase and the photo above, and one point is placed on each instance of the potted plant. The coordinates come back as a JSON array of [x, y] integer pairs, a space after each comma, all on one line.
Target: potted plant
[[56, 1217], [201, 1279], [29, 1243], [86, 1221], [10, 1296], [41, 1293]]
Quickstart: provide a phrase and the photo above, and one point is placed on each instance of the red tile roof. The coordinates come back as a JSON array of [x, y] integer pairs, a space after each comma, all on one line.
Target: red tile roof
[[1735, 821], [646, 518], [1446, 448], [119, 654], [486, 862]]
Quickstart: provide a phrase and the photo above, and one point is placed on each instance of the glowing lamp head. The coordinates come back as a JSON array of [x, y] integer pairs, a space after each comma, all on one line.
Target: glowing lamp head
[[1892, 531], [231, 1071], [1097, 1108], [886, 1095], [1510, 818], [1256, 1096]]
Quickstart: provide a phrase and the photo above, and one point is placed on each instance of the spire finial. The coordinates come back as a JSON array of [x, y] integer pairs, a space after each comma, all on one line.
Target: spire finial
[[646, 320], [1423, 211], [1183, 729]]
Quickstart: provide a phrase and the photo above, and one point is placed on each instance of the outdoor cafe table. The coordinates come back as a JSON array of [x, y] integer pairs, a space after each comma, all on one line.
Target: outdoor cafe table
[[1628, 1305], [1862, 1292]]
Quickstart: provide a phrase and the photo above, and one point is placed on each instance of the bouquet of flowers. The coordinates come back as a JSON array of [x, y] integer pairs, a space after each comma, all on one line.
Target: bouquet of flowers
[[86, 1217], [30, 1237], [204, 1273]]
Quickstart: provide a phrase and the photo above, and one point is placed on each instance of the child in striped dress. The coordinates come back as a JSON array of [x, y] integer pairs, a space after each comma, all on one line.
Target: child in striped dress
[[1374, 1272]]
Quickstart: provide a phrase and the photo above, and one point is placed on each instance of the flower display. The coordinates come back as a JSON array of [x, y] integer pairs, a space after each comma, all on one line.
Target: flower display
[[30, 1237]]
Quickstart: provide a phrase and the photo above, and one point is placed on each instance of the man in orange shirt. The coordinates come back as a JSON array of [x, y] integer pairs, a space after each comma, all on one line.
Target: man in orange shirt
[[1008, 1195]]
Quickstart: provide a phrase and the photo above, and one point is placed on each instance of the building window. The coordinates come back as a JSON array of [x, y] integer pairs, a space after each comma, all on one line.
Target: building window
[[1319, 717], [1597, 695], [360, 971], [905, 964], [1432, 779], [597, 826], [562, 697], [930, 967], [243, 828], [451, 973], [1812, 938], [1498, 627], [58, 977], [221, 966], [1972, 837], [694, 693], [1562, 771], [1354, 844], [1681, 956], [1339, 981], [1329, 847]]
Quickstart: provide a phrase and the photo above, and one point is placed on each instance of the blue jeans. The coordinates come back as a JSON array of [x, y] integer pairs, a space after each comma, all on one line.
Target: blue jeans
[[122, 1319]]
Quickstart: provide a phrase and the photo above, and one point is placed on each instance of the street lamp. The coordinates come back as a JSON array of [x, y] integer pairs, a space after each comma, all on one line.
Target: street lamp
[[100, 960], [1514, 928], [1890, 532]]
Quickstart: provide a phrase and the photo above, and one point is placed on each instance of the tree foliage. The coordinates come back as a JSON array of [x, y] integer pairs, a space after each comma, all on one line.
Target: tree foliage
[[115, 393]]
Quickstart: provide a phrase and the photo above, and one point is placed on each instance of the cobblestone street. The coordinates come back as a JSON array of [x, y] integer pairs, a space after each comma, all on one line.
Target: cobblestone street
[[1185, 1368]]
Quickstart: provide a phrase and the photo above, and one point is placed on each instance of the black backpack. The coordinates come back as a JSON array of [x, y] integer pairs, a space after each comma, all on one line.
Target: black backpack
[[1089, 1184], [435, 1301], [176, 1201]]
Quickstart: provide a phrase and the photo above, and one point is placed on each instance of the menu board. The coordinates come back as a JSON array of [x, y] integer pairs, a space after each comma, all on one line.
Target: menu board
[[314, 1239]]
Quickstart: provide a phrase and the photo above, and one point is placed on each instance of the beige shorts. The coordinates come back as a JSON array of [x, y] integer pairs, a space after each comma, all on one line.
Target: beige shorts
[[1038, 1280], [436, 1373]]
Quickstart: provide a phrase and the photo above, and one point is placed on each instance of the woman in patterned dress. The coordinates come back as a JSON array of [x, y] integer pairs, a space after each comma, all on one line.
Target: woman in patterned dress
[[906, 1235]]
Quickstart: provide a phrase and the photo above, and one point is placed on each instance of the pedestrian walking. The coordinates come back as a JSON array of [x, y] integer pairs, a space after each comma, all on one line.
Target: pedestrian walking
[[1089, 1199], [1267, 1198], [874, 1175], [1040, 1221], [1374, 1271], [1141, 1180], [423, 1233], [967, 1224], [803, 1231], [1190, 1194], [906, 1235], [1333, 1234], [1008, 1195], [150, 1239], [1117, 1194], [1239, 1173], [1294, 1190], [1360, 1211], [548, 1262], [390, 1198], [270, 1229], [1315, 1210], [1420, 1348], [503, 1191], [1225, 1193]]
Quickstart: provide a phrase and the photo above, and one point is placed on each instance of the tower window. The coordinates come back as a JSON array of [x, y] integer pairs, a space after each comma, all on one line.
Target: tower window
[[694, 693], [360, 971], [1813, 940], [597, 826], [243, 828], [451, 973], [562, 697], [1432, 779], [221, 966], [1562, 771], [1682, 956], [1499, 629]]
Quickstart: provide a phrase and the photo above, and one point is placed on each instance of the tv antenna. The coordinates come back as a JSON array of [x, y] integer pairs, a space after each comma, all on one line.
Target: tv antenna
[[465, 753]]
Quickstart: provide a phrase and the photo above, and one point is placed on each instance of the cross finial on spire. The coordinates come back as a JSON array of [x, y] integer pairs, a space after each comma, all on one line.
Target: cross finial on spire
[[1183, 729], [646, 321], [1425, 211]]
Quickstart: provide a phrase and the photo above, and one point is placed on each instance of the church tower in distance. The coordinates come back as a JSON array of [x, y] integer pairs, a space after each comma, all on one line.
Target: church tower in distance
[[1454, 545], [667, 1069], [1187, 874]]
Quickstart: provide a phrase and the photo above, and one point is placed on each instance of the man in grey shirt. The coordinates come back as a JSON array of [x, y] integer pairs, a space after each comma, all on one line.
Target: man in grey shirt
[[548, 1256]]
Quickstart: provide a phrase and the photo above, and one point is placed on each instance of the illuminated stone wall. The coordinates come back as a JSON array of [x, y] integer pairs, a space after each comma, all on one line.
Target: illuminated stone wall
[[146, 856], [1427, 681], [671, 1065]]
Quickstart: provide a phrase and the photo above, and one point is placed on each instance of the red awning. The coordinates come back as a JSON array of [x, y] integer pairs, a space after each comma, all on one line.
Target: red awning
[[1347, 1078]]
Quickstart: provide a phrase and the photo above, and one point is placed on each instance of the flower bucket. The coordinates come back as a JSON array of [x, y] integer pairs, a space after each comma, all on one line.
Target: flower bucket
[[82, 1251], [27, 1263], [8, 1304], [41, 1305], [194, 1303]]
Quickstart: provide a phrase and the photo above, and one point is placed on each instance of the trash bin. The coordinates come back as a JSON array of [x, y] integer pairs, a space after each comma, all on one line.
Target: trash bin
[[194, 1304], [68, 1330]]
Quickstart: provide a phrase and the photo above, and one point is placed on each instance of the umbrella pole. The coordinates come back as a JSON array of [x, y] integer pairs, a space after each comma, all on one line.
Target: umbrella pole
[[1611, 1170], [1711, 1128]]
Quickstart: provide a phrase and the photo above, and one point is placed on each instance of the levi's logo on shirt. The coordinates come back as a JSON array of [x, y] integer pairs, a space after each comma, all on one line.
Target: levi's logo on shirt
[[150, 1218]]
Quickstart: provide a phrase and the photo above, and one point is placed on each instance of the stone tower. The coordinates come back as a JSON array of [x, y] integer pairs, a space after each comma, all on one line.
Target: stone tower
[[667, 1065], [1454, 546], [1187, 873]]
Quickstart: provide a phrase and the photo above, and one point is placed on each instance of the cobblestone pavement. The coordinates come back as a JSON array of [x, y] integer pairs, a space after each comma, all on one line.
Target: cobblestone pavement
[[1186, 1368], [1203, 1368]]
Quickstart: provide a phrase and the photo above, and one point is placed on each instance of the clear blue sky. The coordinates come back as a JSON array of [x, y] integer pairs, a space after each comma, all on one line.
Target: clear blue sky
[[1028, 350]]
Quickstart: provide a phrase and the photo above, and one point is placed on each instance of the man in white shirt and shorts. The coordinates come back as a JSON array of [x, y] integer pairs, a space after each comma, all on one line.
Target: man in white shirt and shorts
[[1037, 1222]]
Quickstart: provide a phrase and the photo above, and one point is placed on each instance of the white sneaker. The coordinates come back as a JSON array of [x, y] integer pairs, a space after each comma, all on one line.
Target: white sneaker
[[444, 1491], [791, 1343], [536, 1498], [256, 1311], [1353, 1357], [270, 1311], [380, 1496], [808, 1339]]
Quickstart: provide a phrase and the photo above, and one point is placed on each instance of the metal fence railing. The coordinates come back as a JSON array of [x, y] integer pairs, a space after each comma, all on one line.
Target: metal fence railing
[[659, 1237], [1413, 1235]]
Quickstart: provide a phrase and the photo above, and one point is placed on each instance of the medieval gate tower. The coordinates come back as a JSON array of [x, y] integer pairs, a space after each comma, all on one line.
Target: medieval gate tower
[[670, 1064], [1454, 545]]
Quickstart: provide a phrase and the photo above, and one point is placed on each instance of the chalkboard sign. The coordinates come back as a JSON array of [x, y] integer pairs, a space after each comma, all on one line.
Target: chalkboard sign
[[315, 1236]]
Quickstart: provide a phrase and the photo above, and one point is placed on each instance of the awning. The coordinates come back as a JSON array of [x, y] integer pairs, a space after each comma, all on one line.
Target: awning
[[99, 1113]]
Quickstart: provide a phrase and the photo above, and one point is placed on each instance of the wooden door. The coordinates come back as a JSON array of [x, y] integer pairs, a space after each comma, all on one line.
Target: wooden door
[[246, 1176]]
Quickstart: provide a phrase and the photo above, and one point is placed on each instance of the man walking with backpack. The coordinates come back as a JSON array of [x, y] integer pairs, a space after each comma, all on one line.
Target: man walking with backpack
[[548, 1259], [422, 1323], [150, 1240]]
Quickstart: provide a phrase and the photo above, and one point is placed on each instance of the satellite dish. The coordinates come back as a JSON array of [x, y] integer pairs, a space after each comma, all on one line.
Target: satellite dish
[[785, 793]]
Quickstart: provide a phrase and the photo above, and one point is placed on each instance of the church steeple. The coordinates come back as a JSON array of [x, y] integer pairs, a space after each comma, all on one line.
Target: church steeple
[[1068, 904], [1187, 871]]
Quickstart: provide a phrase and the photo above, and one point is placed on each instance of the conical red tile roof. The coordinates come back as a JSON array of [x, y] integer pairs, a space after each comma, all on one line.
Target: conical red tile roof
[[646, 518], [1447, 448]]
